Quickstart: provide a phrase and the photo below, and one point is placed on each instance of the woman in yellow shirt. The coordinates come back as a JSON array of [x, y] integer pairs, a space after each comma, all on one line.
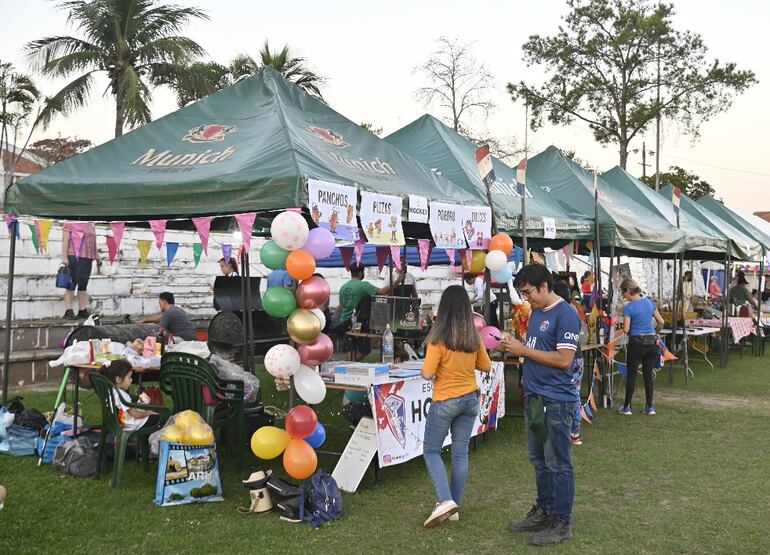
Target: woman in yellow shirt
[[454, 351]]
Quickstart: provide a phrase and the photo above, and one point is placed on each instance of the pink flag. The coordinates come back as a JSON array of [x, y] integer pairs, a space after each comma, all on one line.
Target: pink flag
[[423, 245], [347, 255], [358, 247], [395, 254], [451, 254], [117, 232], [159, 230], [203, 225], [245, 224], [382, 256], [77, 230], [112, 248]]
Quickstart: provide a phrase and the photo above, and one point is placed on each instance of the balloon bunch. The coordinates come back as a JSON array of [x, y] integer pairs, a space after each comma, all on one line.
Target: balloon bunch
[[295, 248], [303, 434]]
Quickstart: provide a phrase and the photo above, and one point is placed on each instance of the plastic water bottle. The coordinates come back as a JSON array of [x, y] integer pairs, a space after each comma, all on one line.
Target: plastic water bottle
[[388, 346]]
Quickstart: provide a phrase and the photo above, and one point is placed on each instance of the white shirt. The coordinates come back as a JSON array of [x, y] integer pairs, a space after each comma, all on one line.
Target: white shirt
[[478, 291], [129, 422]]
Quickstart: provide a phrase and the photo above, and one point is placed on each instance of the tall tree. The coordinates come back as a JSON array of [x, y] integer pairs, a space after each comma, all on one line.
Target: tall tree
[[690, 184], [59, 148], [602, 69], [293, 69], [457, 83], [135, 42]]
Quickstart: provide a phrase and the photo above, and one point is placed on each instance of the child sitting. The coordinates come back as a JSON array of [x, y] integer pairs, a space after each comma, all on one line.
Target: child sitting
[[120, 373]]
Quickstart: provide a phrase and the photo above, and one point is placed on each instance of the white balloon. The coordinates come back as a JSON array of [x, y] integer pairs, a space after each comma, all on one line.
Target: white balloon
[[282, 361], [496, 260], [321, 316], [289, 230], [309, 385]]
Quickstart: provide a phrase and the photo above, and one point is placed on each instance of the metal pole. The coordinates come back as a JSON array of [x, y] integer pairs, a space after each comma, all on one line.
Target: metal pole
[[725, 301], [523, 196], [606, 399], [684, 319], [246, 314], [759, 341], [247, 271], [657, 163], [8, 308], [674, 319]]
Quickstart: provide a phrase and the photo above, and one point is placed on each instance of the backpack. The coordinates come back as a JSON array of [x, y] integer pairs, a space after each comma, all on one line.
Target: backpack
[[31, 418], [76, 456], [320, 499]]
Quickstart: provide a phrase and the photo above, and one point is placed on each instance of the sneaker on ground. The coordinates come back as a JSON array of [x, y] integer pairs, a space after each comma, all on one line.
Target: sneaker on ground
[[290, 515], [83, 313], [443, 510], [69, 315], [454, 518], [558, 531], [537, 519], [625, 411], [575, 439], [649, 410]]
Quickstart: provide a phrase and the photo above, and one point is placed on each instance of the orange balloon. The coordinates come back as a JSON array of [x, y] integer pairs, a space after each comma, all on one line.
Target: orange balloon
[[300, 264], [501, 242], [299, 459]]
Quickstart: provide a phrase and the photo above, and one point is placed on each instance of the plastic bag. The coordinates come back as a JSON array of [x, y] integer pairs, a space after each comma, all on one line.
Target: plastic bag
[[77, 353], [197, 348], [186, 428], [230, 371], [6, 419]]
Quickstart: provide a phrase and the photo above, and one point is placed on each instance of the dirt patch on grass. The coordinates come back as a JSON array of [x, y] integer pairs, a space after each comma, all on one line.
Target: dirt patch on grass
[[710, 401]]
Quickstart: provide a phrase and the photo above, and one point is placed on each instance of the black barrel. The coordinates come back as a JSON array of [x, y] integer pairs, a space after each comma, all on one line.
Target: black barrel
[[120, 333], [226, 334]]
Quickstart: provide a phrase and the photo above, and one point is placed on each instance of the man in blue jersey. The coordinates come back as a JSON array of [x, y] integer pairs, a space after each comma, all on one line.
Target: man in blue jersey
[[549, 349]]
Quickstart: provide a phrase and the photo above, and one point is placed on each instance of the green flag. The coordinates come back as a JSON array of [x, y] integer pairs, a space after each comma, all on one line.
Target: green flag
[[197, 250], [34, 237]]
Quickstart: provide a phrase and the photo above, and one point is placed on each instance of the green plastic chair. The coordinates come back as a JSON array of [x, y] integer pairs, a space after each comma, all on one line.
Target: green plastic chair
[[103, 389], [184, 376]]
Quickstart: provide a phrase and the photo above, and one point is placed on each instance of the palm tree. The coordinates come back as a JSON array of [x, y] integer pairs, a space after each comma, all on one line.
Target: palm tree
[[293, 69], [135, 42], [18, 95]]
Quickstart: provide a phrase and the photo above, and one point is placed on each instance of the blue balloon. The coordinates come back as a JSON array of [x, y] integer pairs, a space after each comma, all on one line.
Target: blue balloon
[[503, 275], [318, 436]]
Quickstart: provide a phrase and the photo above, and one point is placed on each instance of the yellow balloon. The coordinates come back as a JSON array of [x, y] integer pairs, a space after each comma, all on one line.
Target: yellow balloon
[[303, 326], [269, 442], [478, 260]]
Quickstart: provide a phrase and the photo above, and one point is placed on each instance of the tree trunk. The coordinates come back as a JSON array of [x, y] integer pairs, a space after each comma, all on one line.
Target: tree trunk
[[623, 153], [118, 117]]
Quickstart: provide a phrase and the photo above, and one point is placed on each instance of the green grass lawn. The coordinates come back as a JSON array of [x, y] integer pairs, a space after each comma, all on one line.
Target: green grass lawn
[[692, 479]]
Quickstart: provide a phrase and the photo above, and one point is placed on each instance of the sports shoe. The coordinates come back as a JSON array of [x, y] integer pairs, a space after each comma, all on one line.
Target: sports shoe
[[454, 518], [69, 315], [83, 314], [649, 410], [558, 531], [536, 520], [443, 510], [574, 439], [290, 515], [625, 411]]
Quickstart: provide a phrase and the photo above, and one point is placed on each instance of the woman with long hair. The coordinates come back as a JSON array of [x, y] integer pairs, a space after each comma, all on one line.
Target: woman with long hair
[[454, 351]]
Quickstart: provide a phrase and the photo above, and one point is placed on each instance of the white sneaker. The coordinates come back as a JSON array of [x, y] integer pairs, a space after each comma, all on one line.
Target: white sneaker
[[443, 510], [454, 518]]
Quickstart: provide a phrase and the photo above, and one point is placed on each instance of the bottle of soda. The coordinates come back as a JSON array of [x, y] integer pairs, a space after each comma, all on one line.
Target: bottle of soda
[[388, 346], [160, 342]]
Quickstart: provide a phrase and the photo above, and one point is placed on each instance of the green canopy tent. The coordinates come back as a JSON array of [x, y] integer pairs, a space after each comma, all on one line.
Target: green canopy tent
[[702, 241], [443, 149]]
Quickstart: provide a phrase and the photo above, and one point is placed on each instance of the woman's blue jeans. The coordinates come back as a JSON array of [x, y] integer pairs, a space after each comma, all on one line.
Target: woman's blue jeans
[[458, 415]]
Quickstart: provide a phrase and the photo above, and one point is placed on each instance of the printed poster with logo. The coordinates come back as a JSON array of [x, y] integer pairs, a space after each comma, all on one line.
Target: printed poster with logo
[[381, 219], [187, 474], [401, 408], [446, 225], [477, 226], [333, 207]]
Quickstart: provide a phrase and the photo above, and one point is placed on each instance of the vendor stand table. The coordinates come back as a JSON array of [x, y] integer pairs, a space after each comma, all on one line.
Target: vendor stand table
[[739, 327], [417, 337], [705, 332]]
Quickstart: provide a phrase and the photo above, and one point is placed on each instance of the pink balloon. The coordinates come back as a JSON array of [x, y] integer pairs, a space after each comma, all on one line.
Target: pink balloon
[[317, 352], [313, 292], [320, 243], [489, 336], [479, 322]]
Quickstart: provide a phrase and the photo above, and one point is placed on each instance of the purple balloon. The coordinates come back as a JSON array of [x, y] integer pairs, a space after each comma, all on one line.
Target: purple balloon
[[320, 243]]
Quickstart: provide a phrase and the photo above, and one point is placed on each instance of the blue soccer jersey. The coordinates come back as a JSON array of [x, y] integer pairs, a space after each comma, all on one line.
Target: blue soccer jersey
[[550, 329]]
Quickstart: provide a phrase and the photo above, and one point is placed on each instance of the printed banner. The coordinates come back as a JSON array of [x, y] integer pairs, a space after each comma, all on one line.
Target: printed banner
[[446, 225], [401, 408], [477, 226], [418, 209], [333, 207], [381, 219]]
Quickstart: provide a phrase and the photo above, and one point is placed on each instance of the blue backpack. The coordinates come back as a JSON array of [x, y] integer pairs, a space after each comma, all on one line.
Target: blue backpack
[[320, 499]]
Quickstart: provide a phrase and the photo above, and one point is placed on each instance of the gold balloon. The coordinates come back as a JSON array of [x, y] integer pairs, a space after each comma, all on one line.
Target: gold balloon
[[303, 326]]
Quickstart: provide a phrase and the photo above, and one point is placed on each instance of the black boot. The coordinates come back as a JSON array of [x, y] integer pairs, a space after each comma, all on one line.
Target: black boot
[[69, 315], [559, 531], [536, 520], [83, 314]]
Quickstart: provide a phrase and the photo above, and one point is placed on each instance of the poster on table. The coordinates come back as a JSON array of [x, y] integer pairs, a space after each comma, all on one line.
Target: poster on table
[[418, 209], [187, 474], [401, 408], [446, 225], [477, 226], [333, 207], [381, 219]]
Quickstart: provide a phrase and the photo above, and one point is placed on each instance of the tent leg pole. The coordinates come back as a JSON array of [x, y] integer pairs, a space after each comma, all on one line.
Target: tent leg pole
[[8, 310], [758, 341], [245, 314], [674, 319]]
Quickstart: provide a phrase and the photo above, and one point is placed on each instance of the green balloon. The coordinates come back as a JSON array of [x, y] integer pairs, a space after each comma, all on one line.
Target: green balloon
[[273, 256], [279, 302]]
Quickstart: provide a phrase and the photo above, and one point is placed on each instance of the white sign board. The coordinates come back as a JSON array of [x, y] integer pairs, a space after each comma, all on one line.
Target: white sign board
[[477, 226], [549, 228], [446, 225], [357, 456], [418, 209], [381, 219], [333, 207]]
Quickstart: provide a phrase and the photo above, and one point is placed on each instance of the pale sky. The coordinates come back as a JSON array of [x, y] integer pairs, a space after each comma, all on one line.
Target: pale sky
[[367, 51]]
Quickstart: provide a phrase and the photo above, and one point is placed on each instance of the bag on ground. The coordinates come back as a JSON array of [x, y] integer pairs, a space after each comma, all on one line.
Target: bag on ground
[[76, 456], [187, 474], [31, 418], [55, 435], [320, 500], [20, 441]]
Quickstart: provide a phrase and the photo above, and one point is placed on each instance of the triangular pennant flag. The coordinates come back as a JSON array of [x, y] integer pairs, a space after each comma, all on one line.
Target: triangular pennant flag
[[668, 355], [347, 256], [35, 240], [112, 248], [597, 372], [423, 246], [395, 255], [451, 254], [227, 251], [77, 231], [171, 249], [117, 229], [588, 411], [592, 400], [159, 230], [197, 250], [43, 229], [245, 224], [584, 416], [358, 247], [622, 368], [203, 225], [144, 249], [382, 257]]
